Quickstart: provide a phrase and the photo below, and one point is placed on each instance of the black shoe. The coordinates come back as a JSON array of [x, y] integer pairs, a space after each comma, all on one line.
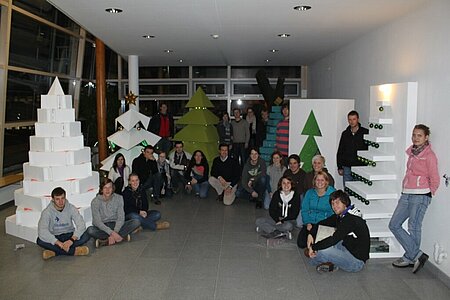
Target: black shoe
[[253, 199], [420, 262], [259, 204], [157, 202], [274, 235]]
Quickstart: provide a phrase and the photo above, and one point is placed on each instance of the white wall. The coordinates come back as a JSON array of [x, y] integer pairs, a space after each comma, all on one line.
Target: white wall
[[413, 48]]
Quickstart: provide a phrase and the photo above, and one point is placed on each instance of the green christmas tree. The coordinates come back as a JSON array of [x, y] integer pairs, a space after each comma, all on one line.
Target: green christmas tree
[[310, 148], [199, 132]]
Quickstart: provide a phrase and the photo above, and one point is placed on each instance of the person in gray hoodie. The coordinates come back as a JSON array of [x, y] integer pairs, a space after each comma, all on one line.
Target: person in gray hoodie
[[56, 231], [108, 217]]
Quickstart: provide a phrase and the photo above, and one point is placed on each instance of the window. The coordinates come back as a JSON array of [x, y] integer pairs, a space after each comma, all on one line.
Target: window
[[209, 72], [271, 72], [89, 61], [163, 72], [159, 89], [246, 89], [211, 88]]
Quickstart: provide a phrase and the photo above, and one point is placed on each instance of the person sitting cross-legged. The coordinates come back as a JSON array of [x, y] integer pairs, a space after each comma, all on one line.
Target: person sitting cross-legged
[[56, 231], [197, 175], [108, 217], [136, 206], [254, 178]]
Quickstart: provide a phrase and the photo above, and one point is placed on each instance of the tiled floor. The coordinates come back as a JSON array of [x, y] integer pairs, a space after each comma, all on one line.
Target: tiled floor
[[210, 252]]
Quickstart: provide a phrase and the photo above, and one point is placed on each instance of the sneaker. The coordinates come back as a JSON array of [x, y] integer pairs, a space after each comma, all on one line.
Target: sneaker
[[162, 225], [81, 251], [289, 235], [326, 267], [257, 229], [99, 243], [137, 230], [46, 254], [420, 262], [401, 263], [274, 235], [127, 238]]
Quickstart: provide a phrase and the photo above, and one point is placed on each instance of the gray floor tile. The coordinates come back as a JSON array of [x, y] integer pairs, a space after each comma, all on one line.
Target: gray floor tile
[[241, 252], [191, 288], [240, 268], [195, 269], [429, 288], [141, 287], [240, 288], [200, 251]]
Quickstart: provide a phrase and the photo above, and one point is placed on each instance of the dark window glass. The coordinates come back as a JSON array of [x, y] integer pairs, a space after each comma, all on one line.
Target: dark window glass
[[291, 89], [246, 89], [257, 106], [211, 88], [15, 151], [272, 72], [111, 67], [163, 89], [163, 72], [45, 10], [209, 72], [89, 61], [40, 47], [23, 95], [124, 69]]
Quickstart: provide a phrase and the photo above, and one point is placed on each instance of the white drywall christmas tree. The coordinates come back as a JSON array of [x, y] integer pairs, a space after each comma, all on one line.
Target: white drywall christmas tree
[[57, 158]]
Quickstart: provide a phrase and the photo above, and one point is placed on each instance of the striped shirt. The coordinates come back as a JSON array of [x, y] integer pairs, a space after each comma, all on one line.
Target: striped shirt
[[282, 137]]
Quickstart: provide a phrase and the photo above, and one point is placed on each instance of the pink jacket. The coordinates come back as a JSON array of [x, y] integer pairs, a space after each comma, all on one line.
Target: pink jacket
[[422, 174]]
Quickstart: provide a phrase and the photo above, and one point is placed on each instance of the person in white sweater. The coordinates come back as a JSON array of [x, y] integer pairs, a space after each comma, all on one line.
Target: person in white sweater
[[119, 173]]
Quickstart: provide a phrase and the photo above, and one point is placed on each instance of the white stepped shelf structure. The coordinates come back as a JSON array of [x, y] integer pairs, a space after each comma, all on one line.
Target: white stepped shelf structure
[[393, 112], [57, 157]]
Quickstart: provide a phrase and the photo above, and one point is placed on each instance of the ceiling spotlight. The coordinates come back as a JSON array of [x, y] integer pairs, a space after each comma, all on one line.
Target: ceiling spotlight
[[302, 7], [168, 50], [180, 60], [284, 35], [113, 10], [215, 36], [148, 36], [274, 50], [267, 60]]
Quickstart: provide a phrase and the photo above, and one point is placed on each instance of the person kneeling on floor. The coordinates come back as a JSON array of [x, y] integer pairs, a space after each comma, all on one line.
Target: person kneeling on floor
[[56, 231], [284, 209], [348, 247], [108, 217]]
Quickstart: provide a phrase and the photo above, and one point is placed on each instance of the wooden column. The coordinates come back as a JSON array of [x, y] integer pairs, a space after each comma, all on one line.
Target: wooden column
[[101, 98]]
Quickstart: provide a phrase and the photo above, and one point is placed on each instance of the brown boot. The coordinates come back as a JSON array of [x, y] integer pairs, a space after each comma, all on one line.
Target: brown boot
[[46, 254], [162, 225], [81, 251]]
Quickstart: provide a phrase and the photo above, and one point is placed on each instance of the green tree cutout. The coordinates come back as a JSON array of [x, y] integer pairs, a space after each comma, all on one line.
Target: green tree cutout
[[310, 148], [199, 132]]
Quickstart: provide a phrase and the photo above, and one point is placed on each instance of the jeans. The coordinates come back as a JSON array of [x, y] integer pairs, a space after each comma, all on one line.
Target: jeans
[[147, 223], [267, 200], [177, 179], [127, 228], [155, 182], [201, 189], [339, 256], [268, 225], [259, 186], [347, 176], [62, 238], [413, 208]]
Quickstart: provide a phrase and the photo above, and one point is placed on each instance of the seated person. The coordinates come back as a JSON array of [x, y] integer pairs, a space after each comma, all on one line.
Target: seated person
[[275, 171], [318, 164], [348, 248], [178, 160], [197, 175], [253, 181], [225, 176], [135, 205], [163, 175], [283, 210], [119, 173], [146, 168], [108, 217], [298, 177], [56, 231], [315, 206]]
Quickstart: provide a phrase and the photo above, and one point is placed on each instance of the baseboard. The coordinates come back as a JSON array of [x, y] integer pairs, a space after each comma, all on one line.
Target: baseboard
[[438, 273]]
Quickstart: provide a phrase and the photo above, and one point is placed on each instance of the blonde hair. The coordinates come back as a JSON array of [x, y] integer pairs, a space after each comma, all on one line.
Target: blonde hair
[[318, 156]]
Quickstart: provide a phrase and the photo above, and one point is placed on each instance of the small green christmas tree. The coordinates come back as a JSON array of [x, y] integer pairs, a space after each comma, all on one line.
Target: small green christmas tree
[[199, 132], [310, 148]]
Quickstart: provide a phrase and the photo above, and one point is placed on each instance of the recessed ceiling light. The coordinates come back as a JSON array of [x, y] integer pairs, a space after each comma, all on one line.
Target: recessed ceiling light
[[284, 35], [302, 7], [148, 36], [267, 60], [180, 60], [168, 50], [274, 50], [114, 10], [215, 36]]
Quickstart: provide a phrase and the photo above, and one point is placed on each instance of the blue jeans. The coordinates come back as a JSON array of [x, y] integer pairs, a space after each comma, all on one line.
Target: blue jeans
[[267, 200], [413, 208], [201, 189], [127, 228], [339, 256], [259, 186], [147, 223], [347, 174], [62, 238]]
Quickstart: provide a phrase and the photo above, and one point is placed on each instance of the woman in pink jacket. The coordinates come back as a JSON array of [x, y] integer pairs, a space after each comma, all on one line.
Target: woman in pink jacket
[[419, 184]]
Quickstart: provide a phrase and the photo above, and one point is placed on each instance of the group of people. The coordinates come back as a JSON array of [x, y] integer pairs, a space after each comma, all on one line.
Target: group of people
[[293, 197]]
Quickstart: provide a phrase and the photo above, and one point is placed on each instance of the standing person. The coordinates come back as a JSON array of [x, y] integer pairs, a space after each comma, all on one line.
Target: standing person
[[318, 164], [164, 180], [119, 173], [252, 126], [315, 206], [419, 184], [254, 178], [56, 231], [275, 171], [197, 175], [178, 161], [225, 176], [261, 131], [282, 133], [348, 247], [352, 140], [241, 137], [225, 130], [136, 206], [146, 168], [162, 124], [108, 217], [283, 210]]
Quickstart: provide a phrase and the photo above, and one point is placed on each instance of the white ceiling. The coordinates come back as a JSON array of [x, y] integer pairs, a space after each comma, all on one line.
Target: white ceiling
[[248, 29]]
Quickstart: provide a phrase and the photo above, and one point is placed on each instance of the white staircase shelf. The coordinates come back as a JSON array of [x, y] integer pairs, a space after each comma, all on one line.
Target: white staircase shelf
[[378, 190], [379, 228], [379, 139], [376, 155], [375, 174], [384, 121], [381, 209]]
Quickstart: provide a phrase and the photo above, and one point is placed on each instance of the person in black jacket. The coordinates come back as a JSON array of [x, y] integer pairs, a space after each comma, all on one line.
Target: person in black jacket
[[284, 209], [197, 175], [225, 174], [352, 140], [348, 247], [162, 124], [146, 168]]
